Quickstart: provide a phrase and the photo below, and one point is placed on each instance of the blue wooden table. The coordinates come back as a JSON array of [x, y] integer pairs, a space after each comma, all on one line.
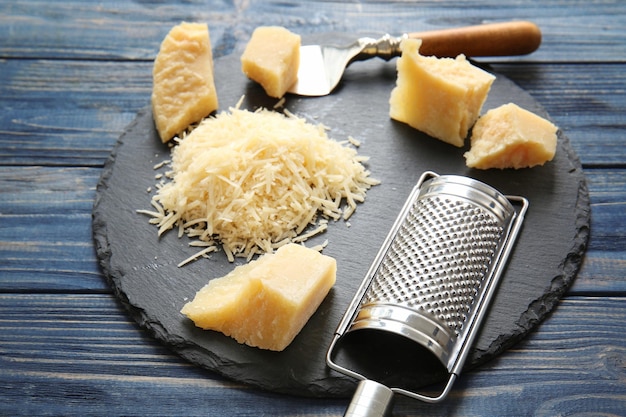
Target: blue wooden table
[[74, 73]]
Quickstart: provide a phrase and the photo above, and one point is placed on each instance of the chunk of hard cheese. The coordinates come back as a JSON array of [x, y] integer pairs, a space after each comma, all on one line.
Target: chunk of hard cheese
[[439, 96], [266, 302], [511, 137], [272, 58], [183, 87]]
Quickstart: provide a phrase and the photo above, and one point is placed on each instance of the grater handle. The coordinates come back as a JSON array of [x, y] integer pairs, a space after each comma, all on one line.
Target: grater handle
[[370, 399]]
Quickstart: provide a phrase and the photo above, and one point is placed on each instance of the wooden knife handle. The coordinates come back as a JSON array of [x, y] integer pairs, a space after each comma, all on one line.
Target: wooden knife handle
[[492, 39]]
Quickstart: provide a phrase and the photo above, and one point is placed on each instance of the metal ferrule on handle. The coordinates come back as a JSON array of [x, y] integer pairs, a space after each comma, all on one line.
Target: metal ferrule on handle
[[385, 47]]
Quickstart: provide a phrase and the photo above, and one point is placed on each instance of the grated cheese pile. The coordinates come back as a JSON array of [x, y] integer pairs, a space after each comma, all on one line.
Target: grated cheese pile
[[254, 181]]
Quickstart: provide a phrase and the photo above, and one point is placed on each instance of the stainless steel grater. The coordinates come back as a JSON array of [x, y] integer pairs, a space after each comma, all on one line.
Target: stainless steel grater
[[431, 281]]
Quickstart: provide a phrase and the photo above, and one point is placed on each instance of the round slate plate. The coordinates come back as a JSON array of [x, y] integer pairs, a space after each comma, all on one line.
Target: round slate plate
[[142, 268]]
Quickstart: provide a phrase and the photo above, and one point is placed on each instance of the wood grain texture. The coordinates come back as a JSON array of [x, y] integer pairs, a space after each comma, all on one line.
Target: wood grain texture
[[45, 238], [133, 30], [75, 110], [46, 231], [67, 113], [81, 355], [74, 74]]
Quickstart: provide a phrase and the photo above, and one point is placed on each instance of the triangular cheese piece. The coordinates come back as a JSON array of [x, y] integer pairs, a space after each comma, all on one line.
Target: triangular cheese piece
[[183, 87], [266, 302]]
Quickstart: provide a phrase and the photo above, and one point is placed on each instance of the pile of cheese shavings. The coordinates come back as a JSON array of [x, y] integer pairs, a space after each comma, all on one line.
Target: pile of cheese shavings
[[254, 181]]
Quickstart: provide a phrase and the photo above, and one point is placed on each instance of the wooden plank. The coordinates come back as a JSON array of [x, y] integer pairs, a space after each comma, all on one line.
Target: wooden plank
[[131, 30], [108, 31], [46, 243], [602, 273], [67, 112], [72, 112], [605, 260], [80, 355], [589, 109], [74, 74], [45, 230]]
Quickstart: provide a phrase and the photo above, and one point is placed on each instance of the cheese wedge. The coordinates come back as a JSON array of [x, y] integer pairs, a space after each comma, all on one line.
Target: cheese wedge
[[183, 87], [511, 137], [272, 58], [440, 97], [266, 302]]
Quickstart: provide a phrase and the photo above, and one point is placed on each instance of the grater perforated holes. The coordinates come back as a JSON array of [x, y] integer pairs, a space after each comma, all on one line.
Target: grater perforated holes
[[438, 259]]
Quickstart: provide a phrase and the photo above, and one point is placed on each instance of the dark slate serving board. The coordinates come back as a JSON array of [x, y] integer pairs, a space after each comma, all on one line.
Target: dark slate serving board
[[142, 268]]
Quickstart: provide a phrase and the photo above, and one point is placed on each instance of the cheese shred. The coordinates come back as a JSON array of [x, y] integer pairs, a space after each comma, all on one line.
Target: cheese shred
[[251, 182]]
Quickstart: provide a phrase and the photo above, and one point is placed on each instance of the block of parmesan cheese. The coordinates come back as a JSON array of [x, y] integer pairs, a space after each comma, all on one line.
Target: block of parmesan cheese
[[183, 87], [266, 302], [438, 96], [511, 137], [272, 58]]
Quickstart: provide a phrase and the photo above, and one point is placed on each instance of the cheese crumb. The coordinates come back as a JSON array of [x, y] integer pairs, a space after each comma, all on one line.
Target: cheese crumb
[[511, 137], [251, 182]]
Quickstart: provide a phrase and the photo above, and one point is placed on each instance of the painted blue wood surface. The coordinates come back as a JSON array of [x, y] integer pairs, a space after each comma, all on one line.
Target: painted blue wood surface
[[74, 73]]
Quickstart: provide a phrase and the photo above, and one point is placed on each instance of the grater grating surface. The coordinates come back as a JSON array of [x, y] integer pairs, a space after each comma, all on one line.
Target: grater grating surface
[[438, 260]]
